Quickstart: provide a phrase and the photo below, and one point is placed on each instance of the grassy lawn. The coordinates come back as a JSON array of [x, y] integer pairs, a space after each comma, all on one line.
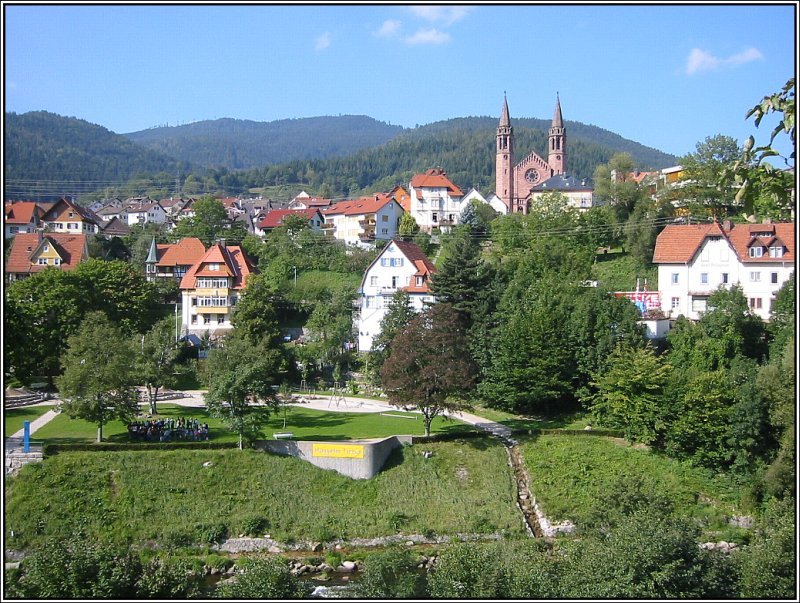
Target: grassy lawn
[[15, 417], [577, 420], [304, 423], [171, 498], [617, 272], [569, 474]]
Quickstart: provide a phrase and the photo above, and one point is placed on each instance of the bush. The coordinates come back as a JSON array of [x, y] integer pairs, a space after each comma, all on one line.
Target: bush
[[169, 578], [390, 574], [211, 533], [255, 525], [53, 449], [263, 578]]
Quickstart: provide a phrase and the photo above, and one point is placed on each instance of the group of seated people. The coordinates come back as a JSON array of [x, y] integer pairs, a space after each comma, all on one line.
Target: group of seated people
[[168, 430]]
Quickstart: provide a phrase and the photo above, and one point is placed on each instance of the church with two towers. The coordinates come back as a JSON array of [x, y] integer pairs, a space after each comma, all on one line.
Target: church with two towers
[[514, 181]]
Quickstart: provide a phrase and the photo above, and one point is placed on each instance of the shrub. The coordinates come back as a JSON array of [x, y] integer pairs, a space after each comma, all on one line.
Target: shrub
[[263, 578], [210, 533], [390, 574], [255, 525]]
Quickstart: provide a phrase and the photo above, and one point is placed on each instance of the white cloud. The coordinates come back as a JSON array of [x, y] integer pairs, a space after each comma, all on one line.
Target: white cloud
[[700, 60], [390, 28], [429, 36], [323, 41], [444, 14]]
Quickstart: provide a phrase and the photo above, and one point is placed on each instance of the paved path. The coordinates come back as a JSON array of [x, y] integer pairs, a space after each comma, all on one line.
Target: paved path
[[195, 398]]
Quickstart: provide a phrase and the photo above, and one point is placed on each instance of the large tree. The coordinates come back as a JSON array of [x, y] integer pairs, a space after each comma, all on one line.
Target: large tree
[[98, 384], [705, 184], [243, 377], [208, 223], [157, 359], [429, 366], [398, 314], [630, 394]]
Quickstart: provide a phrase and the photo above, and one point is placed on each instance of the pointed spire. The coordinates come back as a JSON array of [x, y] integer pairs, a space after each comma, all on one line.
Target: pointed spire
[[558, 122], [152, 256], [505, 120]]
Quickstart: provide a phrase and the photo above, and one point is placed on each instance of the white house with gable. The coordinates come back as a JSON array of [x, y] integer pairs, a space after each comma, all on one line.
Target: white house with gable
[[435, 201], [695, 259], [362, 221], [401, 265]]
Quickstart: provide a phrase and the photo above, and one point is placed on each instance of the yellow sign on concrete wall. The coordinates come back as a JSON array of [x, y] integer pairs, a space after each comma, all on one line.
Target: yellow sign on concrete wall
[[338, 451]]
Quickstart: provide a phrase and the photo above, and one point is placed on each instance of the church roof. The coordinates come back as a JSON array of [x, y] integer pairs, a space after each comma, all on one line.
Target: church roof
[[562, 182]]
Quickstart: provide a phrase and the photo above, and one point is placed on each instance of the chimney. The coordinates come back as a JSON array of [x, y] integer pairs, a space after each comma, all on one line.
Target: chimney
[[727, 225]]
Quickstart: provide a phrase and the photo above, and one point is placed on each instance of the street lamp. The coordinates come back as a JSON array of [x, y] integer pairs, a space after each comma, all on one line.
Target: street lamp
[[295, 275]]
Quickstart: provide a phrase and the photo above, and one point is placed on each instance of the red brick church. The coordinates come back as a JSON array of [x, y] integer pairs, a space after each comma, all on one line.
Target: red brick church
[[514, 181]]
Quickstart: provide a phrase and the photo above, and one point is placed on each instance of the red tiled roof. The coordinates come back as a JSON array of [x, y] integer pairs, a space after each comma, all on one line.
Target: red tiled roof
[[355, 207], [183, 253], [275, 218], [678, 244], [70, 247], [21, 212], [435, 178], [232, 262]]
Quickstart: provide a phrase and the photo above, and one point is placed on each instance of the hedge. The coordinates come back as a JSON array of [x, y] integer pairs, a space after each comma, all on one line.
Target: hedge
[[51, 449]]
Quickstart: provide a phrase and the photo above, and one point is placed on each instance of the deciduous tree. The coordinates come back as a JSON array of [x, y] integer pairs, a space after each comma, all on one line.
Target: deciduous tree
[[98, 384], [242, 383], [429, 365]]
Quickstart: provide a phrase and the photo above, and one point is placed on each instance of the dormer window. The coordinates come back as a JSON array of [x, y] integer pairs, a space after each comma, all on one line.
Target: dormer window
[[756, 252], [213, 266], [776, 252], [420, 280]]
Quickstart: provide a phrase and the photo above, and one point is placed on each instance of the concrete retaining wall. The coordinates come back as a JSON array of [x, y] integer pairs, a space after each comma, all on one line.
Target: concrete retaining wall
[[359, 459], [16, 459]]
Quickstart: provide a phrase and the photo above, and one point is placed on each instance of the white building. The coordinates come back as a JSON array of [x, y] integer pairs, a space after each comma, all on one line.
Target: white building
[[493, 201], [694, 260], [401, 265], [144, 213], [362, 221], [435, 201]]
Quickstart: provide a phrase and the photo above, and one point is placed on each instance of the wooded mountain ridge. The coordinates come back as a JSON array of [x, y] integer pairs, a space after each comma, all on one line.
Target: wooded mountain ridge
[[347, 153]]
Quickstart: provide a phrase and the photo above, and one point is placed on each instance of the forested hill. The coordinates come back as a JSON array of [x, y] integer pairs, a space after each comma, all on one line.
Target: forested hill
[[464, 147], [47, 147], [242, 144]]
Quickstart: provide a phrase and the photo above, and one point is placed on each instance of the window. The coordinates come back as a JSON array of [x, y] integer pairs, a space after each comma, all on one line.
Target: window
[[384, 231], [46, 247], [676, 303], [674, 278], [776, 252], [13, 229], [367, 302], [384, 218], [194, 319], [42, 262], [220, 319], [699, 304], [72, 214], [724, 278], [211, 283], [756, 252], [755, 277], [704, 278], [56, 261], [419, 281], [213, 266], [434, 217], [206, 319], [397, 262], [373, 281], [394, 282], [386, 262], [755, 303], [773, 278]]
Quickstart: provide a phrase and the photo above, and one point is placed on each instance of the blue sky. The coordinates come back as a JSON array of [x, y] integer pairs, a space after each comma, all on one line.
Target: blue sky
[[667, 76]]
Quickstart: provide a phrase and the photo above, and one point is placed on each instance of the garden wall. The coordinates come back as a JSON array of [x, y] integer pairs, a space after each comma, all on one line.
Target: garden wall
[[359, 459]]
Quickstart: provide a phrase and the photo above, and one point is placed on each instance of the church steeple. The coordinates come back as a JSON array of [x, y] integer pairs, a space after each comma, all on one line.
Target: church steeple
[[557, 155], [504, 161]]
